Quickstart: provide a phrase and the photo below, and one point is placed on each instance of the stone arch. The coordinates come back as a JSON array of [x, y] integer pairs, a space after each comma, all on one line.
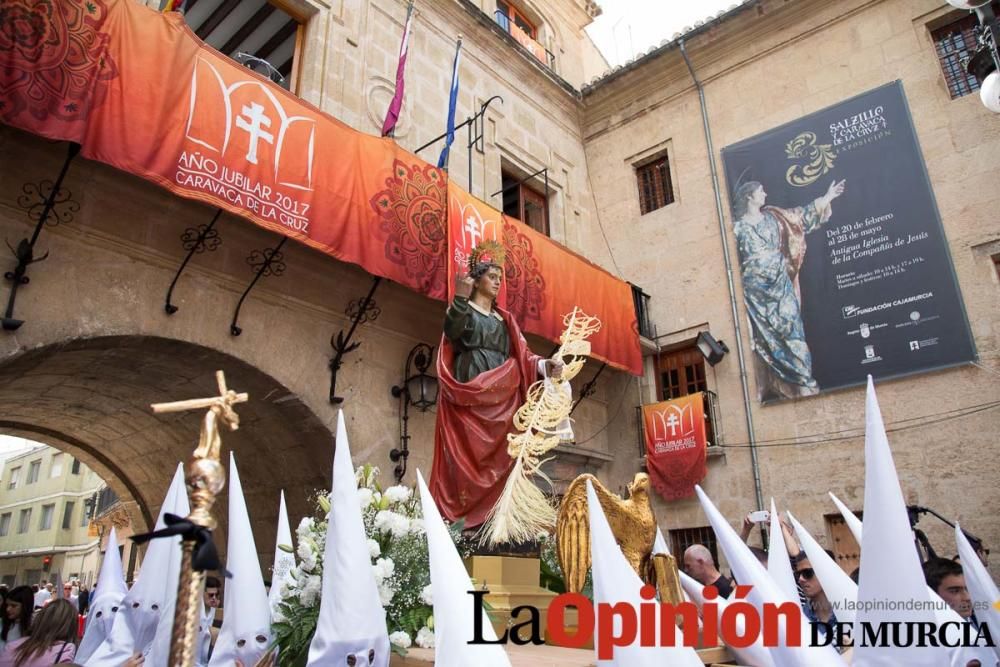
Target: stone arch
[[90, 397]]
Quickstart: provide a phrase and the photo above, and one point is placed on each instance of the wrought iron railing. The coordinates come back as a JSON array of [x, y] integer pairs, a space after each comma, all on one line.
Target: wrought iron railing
[[641, 302], [543, 55], [711, 422]]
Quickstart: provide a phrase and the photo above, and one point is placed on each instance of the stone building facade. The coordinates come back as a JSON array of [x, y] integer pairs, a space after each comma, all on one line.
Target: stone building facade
[[761, 65], [96, 347]]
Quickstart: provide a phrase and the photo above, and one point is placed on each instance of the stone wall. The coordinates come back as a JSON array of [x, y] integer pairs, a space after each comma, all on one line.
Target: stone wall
[[764, 65]]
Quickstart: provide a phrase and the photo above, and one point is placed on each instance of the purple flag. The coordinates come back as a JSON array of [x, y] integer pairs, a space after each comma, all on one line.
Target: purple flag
[[396, 105]]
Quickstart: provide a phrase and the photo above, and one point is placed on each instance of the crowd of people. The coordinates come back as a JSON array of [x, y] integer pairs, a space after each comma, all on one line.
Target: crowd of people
[[944, 576], [39, 628]]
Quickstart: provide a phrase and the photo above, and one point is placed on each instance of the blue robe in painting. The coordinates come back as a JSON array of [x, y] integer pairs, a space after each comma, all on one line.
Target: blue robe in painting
[[771, 252]]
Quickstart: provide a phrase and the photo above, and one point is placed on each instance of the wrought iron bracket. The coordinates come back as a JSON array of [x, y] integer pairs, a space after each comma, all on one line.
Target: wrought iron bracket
[[589, 388], [40, 201], [266, 262], [360, 311], [195, 240], [476, 124]]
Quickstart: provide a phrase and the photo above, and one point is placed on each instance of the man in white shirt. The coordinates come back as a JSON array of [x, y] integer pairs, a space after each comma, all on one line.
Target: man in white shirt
[[43, 595]]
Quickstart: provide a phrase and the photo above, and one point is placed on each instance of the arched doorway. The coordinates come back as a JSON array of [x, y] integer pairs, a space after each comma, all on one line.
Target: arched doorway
[[90, 398]]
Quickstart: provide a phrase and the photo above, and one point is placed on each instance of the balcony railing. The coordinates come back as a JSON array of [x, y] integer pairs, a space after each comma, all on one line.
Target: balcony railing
[[543, 55], [711, 422], [641, 302]]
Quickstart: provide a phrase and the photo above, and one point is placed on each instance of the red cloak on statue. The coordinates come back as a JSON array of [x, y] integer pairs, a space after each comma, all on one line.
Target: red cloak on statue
[[471, 462]]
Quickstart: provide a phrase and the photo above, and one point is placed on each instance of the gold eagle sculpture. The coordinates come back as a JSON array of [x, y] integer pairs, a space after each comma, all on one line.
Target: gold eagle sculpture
[[632, 522]]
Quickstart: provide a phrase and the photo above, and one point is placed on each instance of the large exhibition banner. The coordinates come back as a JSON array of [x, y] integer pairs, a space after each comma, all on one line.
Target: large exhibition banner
[[845, 268]]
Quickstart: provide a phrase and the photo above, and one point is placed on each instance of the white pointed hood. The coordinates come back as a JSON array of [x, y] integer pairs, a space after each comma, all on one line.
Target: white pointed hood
[[779, 566], [660, 544], [840, 589], [755, 655], [890, 567], [982, 588], [850, 518], [748, 570], [158, 652], [943, 614], [453, 624], [105, 600], [246, 625], [284, 561], [614, 582], [154, 591], [351, 618]]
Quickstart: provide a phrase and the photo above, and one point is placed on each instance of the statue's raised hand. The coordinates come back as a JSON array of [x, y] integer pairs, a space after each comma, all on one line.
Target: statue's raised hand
[[464, 285]]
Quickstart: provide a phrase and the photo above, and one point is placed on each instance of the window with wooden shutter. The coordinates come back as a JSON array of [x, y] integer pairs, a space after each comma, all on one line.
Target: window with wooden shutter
[[655, 187], [525, 203], [682, 372]]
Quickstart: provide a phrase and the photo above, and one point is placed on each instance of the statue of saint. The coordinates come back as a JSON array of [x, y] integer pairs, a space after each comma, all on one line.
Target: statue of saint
[[484, 370]]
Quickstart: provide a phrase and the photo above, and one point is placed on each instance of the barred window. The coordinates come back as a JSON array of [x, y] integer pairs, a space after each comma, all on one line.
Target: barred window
[[655, 187], [682, 538], [954, 44]]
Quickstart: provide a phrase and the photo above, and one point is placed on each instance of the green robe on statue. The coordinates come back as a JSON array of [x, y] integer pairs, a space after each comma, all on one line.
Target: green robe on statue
[[480, 339]]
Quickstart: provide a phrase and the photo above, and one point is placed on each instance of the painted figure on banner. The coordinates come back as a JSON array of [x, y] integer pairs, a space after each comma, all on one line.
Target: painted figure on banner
[[772, 247], [484, 368]]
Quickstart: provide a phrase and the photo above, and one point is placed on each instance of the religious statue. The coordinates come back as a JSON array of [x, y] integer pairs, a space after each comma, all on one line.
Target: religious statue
[[772, 247], [634, 527], [485, 369]]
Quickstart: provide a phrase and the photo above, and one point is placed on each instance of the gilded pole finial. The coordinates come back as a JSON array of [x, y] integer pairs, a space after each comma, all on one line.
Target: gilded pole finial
[[205, 477]]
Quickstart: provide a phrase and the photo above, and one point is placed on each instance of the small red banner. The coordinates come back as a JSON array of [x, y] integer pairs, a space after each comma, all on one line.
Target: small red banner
[[675, 445]]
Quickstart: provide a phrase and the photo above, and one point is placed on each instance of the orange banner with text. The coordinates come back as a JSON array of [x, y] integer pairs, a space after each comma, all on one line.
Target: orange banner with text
[[675, 445], [139, 91], [144, 94]]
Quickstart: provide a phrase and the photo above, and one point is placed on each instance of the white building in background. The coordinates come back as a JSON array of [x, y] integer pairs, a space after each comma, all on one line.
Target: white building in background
[[47, 500]]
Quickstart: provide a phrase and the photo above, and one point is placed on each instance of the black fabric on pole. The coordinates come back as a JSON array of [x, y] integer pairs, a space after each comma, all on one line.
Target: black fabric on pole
[[205, 557]]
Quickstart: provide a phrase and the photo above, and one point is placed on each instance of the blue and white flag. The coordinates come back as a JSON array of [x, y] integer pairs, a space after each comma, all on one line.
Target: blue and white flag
[[452, 102]]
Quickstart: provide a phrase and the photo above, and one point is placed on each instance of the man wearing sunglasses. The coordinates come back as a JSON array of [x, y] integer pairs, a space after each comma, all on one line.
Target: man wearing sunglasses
[[816, 608]]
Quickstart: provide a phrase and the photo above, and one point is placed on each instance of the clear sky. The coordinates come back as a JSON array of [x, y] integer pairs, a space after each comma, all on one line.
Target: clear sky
[[628, 27], [10, 446]]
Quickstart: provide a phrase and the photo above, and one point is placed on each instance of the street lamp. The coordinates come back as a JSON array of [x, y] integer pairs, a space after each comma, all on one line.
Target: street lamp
[[713, 350], [985, 62], [418, 389]]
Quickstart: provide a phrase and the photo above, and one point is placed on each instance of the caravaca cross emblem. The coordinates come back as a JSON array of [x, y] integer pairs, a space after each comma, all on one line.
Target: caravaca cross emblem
[[812, 159]]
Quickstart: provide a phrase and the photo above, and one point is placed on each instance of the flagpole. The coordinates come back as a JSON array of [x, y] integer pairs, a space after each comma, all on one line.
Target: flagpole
[[452, 103], [396, 104]]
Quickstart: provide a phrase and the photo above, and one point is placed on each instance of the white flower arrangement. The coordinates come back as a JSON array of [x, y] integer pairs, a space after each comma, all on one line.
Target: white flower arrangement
[[425, 637], [398, 550], [400, 639]]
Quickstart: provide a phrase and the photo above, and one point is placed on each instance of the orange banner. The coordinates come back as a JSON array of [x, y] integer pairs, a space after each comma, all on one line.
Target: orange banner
[[543, 281], [470, 222], [546, 280], [675, 445], [144, 94], [139, 91]]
